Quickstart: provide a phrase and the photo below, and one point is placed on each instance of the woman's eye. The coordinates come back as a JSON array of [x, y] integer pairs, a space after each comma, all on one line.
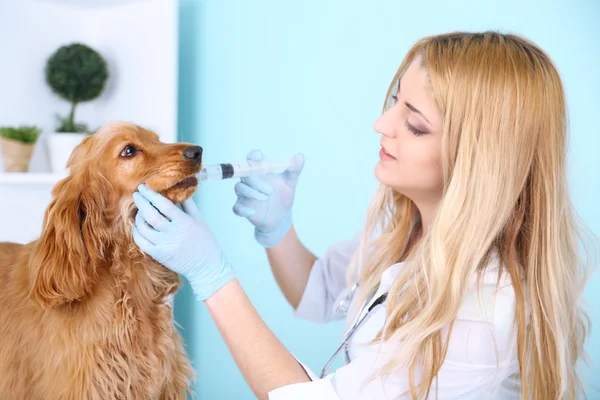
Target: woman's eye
[[128, 151], [414, 130]]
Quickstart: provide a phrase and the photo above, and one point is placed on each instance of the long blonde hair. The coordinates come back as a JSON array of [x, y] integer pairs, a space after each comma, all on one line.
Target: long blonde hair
[[504, 191]]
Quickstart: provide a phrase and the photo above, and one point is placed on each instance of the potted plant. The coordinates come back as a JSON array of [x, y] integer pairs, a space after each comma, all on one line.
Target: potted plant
[[17, 146], [76, 73]]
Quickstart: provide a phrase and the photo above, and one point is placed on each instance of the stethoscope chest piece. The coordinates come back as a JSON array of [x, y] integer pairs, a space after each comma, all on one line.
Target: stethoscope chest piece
[[343, 301]]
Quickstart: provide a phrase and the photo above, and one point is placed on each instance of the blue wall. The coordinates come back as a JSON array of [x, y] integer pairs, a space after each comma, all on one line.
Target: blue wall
[[311, 76]]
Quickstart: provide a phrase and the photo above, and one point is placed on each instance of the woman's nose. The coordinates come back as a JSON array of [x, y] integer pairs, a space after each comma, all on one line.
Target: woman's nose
[[386, 124]]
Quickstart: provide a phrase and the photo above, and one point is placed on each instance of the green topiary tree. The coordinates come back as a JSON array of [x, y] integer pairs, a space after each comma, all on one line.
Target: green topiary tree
[[76, 73]]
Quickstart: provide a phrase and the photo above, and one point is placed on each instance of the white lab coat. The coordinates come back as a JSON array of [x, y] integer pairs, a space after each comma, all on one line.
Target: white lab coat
[[481, 361]]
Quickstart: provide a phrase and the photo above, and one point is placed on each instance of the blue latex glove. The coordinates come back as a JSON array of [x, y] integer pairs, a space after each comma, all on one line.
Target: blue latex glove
[[181, 241], [266, 200]]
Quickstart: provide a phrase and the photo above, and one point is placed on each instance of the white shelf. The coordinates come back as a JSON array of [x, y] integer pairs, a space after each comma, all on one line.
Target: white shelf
[[30, 178], [89, 3]]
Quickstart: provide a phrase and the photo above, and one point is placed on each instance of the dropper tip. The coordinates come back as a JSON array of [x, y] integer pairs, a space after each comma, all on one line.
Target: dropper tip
[[202, 175]]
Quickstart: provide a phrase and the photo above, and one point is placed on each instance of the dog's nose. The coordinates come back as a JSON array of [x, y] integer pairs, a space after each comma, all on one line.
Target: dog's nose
[[193, 153]]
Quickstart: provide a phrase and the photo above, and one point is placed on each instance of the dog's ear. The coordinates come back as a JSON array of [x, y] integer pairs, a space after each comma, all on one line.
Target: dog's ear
[[66, 258]]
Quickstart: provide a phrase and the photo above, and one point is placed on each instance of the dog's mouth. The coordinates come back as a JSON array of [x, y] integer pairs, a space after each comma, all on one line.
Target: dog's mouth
[[190, 181]]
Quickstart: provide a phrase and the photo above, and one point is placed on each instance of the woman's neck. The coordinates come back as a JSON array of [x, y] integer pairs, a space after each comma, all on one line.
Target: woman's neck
[[414, 238]]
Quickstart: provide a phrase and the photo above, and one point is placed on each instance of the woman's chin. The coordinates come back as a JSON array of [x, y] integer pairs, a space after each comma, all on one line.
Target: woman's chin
[[383, 175]]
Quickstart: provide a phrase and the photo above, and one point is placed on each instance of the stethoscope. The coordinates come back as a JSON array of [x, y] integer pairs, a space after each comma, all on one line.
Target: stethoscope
[[342, 307]]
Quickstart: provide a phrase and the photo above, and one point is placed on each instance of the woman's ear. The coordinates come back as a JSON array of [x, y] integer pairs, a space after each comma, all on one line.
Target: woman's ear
[[66, 258]]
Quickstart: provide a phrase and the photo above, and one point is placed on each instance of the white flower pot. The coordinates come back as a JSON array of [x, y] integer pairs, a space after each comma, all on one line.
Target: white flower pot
[[60, 147]]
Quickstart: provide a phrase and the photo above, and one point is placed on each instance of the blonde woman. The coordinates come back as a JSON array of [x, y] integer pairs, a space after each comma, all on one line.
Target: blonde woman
[[466, 281]]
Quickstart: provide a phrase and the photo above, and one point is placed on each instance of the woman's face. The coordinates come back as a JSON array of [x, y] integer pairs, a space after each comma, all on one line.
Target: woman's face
[[411, 139]]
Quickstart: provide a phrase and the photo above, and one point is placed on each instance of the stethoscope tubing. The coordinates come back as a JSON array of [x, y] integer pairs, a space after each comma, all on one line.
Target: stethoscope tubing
[[351, 332]]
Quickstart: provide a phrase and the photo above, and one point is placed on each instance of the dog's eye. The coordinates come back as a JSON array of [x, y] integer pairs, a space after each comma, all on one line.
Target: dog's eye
[[128, 151]]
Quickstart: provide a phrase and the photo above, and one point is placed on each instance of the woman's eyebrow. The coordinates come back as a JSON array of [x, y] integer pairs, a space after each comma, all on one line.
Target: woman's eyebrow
[[412, 108]]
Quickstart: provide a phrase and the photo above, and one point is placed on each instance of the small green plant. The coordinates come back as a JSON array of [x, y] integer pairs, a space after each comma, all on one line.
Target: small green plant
[[23, 134], [77, 73]]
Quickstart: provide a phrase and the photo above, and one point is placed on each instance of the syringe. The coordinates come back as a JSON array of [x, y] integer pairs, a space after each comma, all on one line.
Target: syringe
[[215, 172]]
